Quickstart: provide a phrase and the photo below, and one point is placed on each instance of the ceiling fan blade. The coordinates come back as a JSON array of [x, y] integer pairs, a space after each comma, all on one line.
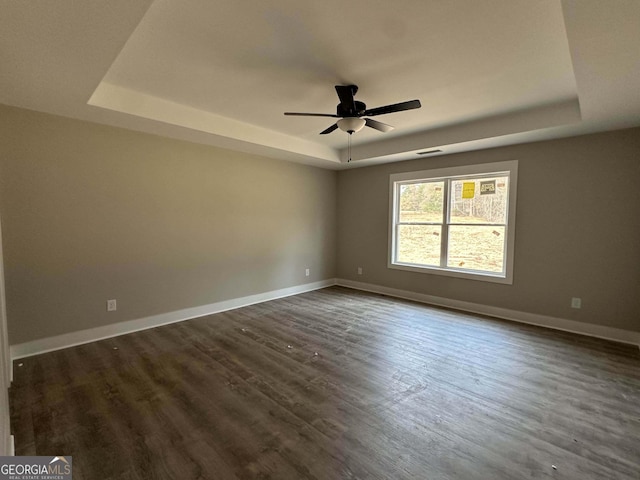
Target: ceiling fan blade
[[396, 107], [346, 93], [329, 130], [383, 127], [300, 114]]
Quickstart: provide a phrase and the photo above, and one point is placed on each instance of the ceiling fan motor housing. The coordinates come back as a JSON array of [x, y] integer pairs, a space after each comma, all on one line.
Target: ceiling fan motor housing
[[348, 112]]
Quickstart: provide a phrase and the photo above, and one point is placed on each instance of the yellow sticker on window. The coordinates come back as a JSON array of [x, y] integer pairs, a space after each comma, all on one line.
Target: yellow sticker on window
[[468, 189]]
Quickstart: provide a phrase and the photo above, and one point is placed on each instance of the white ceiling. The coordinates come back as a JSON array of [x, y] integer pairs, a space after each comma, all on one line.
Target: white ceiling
[[488, 73]]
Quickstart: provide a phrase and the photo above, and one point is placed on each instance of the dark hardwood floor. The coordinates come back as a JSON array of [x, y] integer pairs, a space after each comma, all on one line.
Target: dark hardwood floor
[[335, 384]]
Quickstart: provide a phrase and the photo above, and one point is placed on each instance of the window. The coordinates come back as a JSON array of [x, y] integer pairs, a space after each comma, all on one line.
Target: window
[[457, 221]]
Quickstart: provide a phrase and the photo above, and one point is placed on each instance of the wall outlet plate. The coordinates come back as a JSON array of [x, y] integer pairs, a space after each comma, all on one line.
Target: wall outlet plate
[[576, 302], [111, 306]]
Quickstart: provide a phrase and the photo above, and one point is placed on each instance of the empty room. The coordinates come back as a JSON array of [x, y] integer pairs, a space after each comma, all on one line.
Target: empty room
[[320, 240]]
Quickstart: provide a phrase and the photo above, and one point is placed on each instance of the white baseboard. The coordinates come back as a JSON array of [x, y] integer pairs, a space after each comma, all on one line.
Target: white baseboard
[[589, 329], [72, 339]]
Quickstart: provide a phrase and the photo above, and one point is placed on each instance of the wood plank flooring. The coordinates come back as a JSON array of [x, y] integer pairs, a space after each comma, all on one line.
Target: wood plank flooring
[[335, 384]]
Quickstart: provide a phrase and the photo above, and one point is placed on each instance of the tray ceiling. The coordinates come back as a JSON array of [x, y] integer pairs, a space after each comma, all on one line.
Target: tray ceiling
[[222, 73]]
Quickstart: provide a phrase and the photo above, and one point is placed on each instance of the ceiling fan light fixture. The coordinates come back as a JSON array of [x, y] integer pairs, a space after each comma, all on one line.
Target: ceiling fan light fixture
[[351, 124]]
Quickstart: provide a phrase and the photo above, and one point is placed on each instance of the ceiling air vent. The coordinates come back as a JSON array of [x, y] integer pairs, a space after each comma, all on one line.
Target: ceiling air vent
[[427, 152]]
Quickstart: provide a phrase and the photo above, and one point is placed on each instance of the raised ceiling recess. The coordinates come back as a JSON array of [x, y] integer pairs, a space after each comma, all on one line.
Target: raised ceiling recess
[[222, 73]]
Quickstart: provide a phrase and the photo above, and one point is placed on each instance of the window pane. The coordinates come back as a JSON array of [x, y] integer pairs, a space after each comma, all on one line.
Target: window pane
[[421, 202], [479, 200], [419, 244], [475, 247]]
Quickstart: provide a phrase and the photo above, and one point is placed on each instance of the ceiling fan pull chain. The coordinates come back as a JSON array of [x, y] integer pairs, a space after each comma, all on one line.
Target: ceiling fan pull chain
[[349, 147]]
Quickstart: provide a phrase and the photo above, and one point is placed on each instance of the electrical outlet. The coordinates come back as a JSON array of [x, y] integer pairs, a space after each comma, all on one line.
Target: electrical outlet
[[307, 272], [359, 270], [576, 302], [111, 306]]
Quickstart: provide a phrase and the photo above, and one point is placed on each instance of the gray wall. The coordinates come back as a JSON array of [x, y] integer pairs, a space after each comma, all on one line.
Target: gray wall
[[91, 213], [577, 229]]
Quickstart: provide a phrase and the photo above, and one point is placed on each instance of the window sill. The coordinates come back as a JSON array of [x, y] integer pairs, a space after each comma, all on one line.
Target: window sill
[[466, 274]]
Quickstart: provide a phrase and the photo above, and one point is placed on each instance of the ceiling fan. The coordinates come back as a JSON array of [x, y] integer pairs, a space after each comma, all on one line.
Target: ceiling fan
[[351, 111]]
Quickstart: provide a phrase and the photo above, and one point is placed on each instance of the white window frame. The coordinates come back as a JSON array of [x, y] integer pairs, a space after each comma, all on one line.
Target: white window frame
[[509, 168]]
